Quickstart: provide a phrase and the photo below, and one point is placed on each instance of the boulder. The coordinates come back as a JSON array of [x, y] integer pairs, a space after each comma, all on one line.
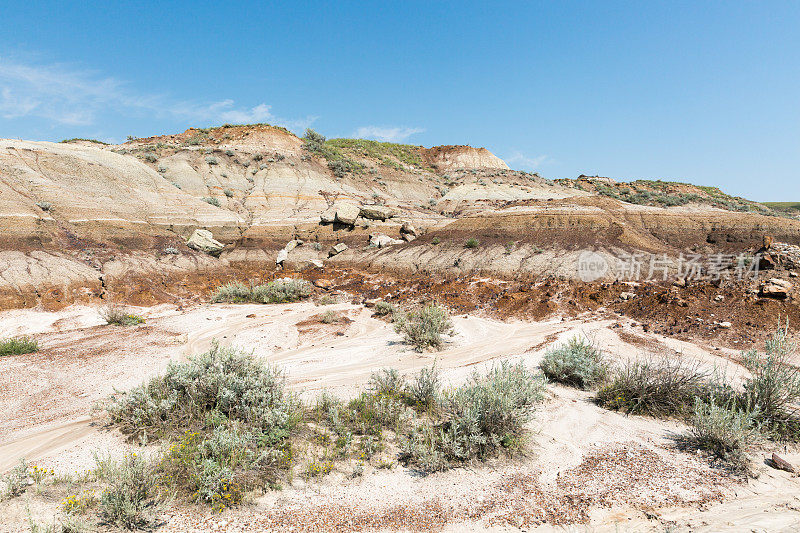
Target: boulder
[[203, 240], [627, 295], [283, 255], [347, 214], [408, 237], [329, 216], [339, 248], [408, 228], [291, 245], [776, 288], [377, 212], [379, 241]]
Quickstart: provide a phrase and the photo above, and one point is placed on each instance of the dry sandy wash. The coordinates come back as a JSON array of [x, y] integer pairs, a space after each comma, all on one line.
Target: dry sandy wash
[[586, 468]]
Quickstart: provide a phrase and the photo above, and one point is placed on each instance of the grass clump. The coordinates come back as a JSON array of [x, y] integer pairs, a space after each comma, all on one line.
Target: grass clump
[[578, 363], [471, 243], [117, 315], [18, 346], [277, 291], [424, 329], [424, 390], [212, 201], [657, 386]]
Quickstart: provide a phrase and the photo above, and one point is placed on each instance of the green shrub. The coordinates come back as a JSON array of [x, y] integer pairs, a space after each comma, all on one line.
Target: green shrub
[[228, 193], [44, 206], [424, 329], [212, 201], [277, 291], [726, 431], [478, 419], [16, 481], [386, 381], [130, 501], [384, 308], [118, 315], [578, 363], [773, 387], [223, 382], [18, 346], [227, 420], [211, 160], [436, 240], [424, 390], [472, 242], [657, 386], [329, 317]]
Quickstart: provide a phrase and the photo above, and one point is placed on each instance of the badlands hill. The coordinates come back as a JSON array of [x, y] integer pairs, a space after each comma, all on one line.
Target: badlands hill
[[80, 217]]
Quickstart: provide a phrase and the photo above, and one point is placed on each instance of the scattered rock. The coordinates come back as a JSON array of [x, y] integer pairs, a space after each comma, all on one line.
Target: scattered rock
[[329, 216], [379, 240], [339, 248], [781, 464], [251, 315], [323, 283], [203, 240], [347, 214], [725, 325], [408, 237], [719, 298], [680, 282], [627, 295], [793, 274], [316, 263], [377, 212], [408, 228], [776, 288]]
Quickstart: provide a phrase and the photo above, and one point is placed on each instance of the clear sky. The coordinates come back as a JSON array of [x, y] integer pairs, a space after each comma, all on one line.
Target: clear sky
[[705, 92]]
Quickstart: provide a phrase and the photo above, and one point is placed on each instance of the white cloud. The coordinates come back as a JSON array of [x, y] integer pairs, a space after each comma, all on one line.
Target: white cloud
[[520, 160], [67, 95], [386, 133]]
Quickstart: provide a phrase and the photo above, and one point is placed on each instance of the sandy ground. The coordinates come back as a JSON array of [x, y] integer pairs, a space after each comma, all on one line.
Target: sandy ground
[[626, 470]]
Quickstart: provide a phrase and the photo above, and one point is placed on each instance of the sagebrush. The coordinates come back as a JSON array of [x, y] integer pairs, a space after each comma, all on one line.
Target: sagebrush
[[578, 363]]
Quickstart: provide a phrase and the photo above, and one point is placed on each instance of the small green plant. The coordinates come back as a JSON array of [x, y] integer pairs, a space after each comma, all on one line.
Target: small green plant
[[16, 480], [228, 193], [424, 390], [211, 160], [726, 431], [329, 317], [386, 382], [382, 308], [212, 201], [117, 315], [578, 363], [424, 329], [129, 501], [774, 384], [18, 346], [436, 240], [472, 242]]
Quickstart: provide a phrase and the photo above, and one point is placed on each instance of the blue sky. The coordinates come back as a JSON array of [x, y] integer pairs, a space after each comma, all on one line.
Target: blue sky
[[705, 92]]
